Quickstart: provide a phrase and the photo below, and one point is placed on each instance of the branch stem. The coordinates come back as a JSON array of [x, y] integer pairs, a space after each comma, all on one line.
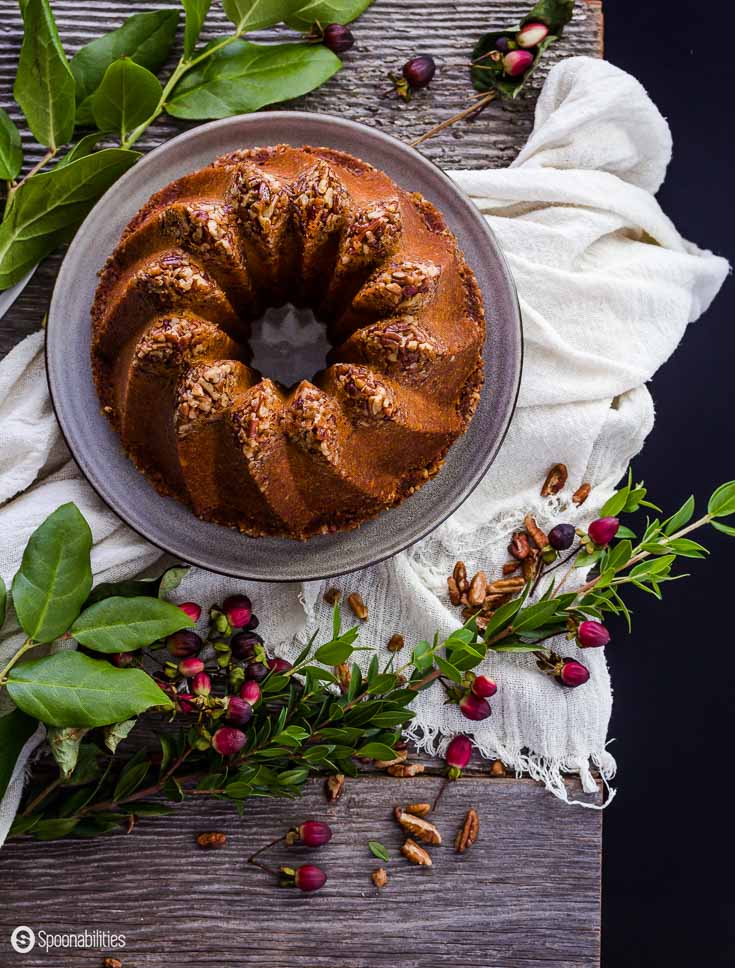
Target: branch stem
[[467, 113], [26, 647]]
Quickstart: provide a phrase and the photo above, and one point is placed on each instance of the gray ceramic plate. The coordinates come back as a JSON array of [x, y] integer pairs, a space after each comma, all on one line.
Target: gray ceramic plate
[[169, 524]]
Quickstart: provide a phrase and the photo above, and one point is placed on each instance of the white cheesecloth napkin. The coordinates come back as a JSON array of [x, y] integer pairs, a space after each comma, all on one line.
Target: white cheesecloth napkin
[[607, 287]]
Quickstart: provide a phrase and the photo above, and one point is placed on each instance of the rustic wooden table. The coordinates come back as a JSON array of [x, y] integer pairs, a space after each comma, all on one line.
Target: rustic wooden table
[[528, 893]]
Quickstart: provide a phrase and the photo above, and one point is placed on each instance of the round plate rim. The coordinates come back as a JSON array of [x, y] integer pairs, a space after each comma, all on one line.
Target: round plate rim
[[69, 264]]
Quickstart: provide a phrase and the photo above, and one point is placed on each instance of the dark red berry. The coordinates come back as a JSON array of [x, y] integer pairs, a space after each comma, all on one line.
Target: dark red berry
[[184, 643], [484, 687], [419, 71], [244, 644], [238, 610], [239, 711], [309, 878], [473, 707], [253, 623], [250, 692], [256, 670], [603, 530], [459, 753], [190, 667], [312, 833], [573, 673], [561, 536], [280, 665], [337, 38], [122, 659], [228, 740]]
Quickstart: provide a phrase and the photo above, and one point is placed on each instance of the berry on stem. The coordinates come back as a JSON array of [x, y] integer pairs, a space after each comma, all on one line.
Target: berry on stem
[[603, 530], [473, 707], [190, 667], [337, 38], [311, 833], [250, 692], [573, 673], [184, 643], [531, 34], [561, 537], [517, 62], [484, 687], [238, 609], [191, 609], [239, 711], [227, 740], [591, 634]]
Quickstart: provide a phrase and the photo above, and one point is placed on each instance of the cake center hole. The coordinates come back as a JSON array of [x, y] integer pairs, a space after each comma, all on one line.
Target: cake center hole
[[289, 344]]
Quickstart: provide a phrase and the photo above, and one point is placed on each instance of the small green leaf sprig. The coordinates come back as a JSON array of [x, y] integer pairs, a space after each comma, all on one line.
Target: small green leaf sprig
[[111, 85]]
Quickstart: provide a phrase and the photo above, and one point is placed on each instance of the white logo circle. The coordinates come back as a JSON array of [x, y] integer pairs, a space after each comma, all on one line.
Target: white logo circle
[[23, 939]]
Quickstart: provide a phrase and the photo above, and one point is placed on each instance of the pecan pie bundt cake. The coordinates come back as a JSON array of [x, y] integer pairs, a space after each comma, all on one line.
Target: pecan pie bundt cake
[[263, 227]]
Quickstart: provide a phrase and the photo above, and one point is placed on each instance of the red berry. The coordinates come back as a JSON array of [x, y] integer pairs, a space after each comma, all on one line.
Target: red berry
[[228, 740], [309, 878], [472, 707], [517, 62], [238, 610], [337, 38], [603, 530], [191, 609], [279, 665], [238, 711], [190, 667], [591, 634], [484, 687], [250, 692], [458, 752], [184, 643], [201, 684], [531, 34], [314, 833], [573, 674], [419, 71]]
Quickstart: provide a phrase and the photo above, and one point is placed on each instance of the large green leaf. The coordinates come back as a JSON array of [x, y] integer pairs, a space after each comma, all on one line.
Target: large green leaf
[[70, 689], [722, 502], [122, 624], [15, 729], [196, 11], [146, 38], [44, 85], [255, 14], [307, 12], [55, 577], [244, 77], [158, 587], [11, 153], [127, 96], [48, 208]]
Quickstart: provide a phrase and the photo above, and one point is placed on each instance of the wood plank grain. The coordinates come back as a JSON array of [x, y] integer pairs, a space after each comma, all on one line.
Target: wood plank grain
[[387, 34], [525, 896]]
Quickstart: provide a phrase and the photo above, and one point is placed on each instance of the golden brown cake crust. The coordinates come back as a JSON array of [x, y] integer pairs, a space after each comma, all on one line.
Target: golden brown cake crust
[[316, 227]]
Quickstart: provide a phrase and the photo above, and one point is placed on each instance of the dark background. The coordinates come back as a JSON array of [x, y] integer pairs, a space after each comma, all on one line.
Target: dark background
[[668, 890]]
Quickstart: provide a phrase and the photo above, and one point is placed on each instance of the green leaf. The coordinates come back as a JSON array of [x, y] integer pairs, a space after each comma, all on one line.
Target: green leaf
[[15, 730], [722, 502], [55, 575], [11, 152], [686, 548], [514, 647], [47, 209], [619, 555], [170, 580], [117, 732], [376, 751], [624, 532], [335, 652], [652, 567], [724, 528], [422, 657], [3, 602], [54, 829], [534, 615], [158, 587], [387, 719], [378, 850], [238, 790], [127, 96], [292, 777], [70, 689], [249, 15], [145, 809], [44, 85], [123, 624], [307, 12], [504, 615], [196, 12], [65, 743], [615, 503], [85, 146], [244, 77], [132, 776], [146, 38]]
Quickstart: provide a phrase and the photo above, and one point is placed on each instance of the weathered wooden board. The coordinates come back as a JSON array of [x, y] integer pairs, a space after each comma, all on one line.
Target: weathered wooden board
[[387, 34], [526, 895]]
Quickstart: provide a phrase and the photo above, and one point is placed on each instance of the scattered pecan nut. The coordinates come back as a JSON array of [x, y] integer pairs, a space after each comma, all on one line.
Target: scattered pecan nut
[[112, 963], [498, 769], [417, 855], [519, 546], [555, 480], [406, 769], [357, 605], [380, 877], [581, 494], [506, 586], [455, 595], [468, 832], [418, 809], [510, 566], [333, 787], [401, 756], [212, 840], [420, 828], [460, 576], [530, 565], [539, 537], [332, 596], [343, 673], [478, 589], [395, 643]]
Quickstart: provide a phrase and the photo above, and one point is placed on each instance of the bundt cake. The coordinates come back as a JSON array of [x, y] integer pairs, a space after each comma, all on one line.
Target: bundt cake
[[263, 227]]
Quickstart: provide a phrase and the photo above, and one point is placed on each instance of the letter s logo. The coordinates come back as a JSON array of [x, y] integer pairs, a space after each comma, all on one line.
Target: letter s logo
[[23, 939]]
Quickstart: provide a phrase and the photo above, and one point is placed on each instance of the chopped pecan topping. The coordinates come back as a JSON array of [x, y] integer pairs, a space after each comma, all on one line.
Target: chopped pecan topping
[[402, 286], [504, 586], [471, 393], [368, 399], [255, 418], [510, 566], [468, 833], [371, 235], [460, 577], [581, 494], [555, 480], [212, 840], [417, 855], [455, 595], [313, 423], [262, 205], [357, 605], [203, 226], [172, 278], [320, 202], [419, 828], [112, 963], [173, 341], [333, 786], [497, 769], [400, 343], [204, 394]]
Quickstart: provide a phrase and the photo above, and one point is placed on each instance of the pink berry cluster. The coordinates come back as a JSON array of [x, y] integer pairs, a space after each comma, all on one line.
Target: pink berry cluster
[[307, 877], [514, 54]]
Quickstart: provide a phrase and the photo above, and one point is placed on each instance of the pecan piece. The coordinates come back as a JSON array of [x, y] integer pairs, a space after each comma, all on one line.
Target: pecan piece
[[357, 605], [468, 832], [395, 643], [401, 756], [505, 586], [519, 546], [418, 809], [211, 840], [112, 963], [497, 769], [332, 596], [419, 828], [555, 480], [529, 566], [460, 576], [478, 589], [333, 786], [510, 566], [343, 674], [455, 595], [417, 855], [581, 494], [379, 877], [406, 769], [539, 536]]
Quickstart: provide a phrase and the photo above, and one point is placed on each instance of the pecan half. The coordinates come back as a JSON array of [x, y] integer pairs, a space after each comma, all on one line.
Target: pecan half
[[406, 769], [380, 877], [333, 787], [455, 595], [555, 480], [460, 576], [519, 546], [332, 596], [468, 832], [395, 643], [112, 963], [357, 605], [505, 586], [530, 566], [400, 758], [581, 494], [419, 828], [510, 566], [497, 769], [417, 855], [478, 589], [418, 809], [212, 840], [540, 538]]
